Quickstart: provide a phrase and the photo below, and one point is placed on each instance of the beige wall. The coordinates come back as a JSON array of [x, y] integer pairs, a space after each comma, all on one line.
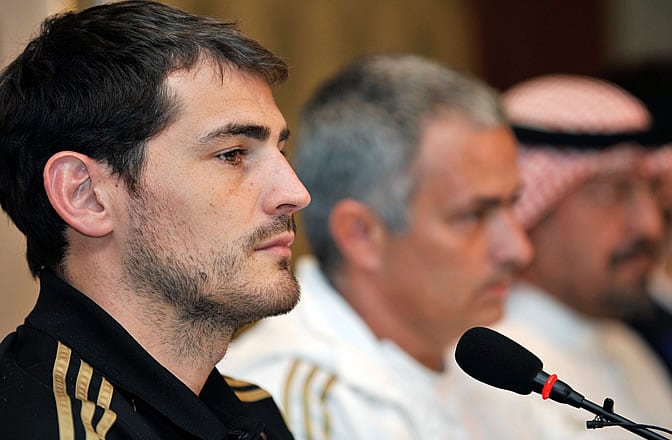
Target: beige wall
[[318, 37], [17, 288]]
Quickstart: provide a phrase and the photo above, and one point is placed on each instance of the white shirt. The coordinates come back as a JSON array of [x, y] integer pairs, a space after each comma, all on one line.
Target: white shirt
[[333, 379], [598, 359]]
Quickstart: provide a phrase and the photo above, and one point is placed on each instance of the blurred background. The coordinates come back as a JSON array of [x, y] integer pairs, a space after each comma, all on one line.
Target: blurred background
[[500, 41]]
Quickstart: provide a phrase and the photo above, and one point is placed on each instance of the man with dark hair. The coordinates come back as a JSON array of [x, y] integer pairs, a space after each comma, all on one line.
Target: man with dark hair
[[141, 156], [413, 171]]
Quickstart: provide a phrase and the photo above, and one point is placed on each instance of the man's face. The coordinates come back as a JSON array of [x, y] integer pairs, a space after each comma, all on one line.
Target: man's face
[[596, 248], [451, 268], [211, 224]]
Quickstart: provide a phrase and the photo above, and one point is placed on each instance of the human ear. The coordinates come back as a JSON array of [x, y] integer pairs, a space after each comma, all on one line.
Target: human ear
[[75, 186], [359, 233]]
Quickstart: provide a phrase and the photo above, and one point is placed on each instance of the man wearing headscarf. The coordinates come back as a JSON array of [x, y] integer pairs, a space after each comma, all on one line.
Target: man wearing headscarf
[[589, 204], [651, 82]]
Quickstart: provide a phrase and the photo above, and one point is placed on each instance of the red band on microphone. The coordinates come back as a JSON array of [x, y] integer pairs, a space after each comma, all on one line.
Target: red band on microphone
[[548, 386]]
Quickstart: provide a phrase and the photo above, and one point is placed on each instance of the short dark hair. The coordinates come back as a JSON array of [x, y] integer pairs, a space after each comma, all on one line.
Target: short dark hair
[[93, 82]]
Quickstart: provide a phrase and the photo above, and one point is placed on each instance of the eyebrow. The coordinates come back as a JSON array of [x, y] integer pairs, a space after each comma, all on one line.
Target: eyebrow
[[252, 131], [495, 202]]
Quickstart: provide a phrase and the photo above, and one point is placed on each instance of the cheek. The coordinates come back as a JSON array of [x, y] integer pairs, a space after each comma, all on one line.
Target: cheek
[[221, 211], [593, 233], [593, 246], [583, 264], [446, 264]]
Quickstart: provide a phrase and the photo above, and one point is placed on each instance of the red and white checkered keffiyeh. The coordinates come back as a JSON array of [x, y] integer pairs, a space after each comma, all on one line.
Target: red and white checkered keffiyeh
[[575, 105]]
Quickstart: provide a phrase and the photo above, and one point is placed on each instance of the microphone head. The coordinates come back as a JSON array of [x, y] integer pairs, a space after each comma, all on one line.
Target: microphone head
[[492, 358]]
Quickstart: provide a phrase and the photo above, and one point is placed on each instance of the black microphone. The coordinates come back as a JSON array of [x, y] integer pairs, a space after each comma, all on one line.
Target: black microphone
[[494, 359]]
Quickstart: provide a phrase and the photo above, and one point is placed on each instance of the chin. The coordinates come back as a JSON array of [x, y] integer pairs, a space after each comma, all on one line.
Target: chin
[[283, 296], [491, 317]]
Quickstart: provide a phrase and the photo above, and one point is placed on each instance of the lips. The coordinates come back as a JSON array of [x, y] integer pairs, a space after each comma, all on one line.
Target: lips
[[640, 264], [283, 241], [499, 288]]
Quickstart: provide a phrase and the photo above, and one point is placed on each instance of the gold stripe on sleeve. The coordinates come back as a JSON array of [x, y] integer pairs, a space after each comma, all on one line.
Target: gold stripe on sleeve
[[109, 417], [66, 430], [325, 413], [82, 393], [306, 404], [105, 394], [286, 398]]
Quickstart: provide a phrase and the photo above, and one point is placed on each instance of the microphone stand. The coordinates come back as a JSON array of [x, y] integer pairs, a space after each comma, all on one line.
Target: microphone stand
[[549, 387], [604, 413]]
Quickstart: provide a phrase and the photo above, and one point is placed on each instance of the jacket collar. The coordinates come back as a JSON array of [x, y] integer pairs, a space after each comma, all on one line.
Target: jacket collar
[[72, 318]]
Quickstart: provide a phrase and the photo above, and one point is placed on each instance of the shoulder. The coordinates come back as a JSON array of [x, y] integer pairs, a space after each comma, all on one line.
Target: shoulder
[[318, 403], [27, 406], [25, 371], [322, 389], [300, 387], [302, 390], [46, 389], [275, 359]]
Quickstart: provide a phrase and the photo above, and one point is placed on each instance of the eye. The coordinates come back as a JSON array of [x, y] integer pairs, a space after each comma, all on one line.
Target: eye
[[474, 216], [232, 157], [606, 193], [471, 218]]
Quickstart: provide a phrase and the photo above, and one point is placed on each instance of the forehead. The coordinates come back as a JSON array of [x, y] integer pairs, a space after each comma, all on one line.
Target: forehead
[[210, 93], [467, 159], [618, 177], [598, 198]]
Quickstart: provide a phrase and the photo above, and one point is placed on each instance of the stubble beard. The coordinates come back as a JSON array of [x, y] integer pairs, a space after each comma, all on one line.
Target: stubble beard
[[198, 298], [627, 302]]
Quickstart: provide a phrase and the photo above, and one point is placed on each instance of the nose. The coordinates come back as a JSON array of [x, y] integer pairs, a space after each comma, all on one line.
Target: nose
[[286, 194], [645, 213], [510, 245]]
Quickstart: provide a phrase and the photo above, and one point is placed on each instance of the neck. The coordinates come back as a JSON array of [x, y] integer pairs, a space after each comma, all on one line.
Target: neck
[[189, 350], [389, 322]]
